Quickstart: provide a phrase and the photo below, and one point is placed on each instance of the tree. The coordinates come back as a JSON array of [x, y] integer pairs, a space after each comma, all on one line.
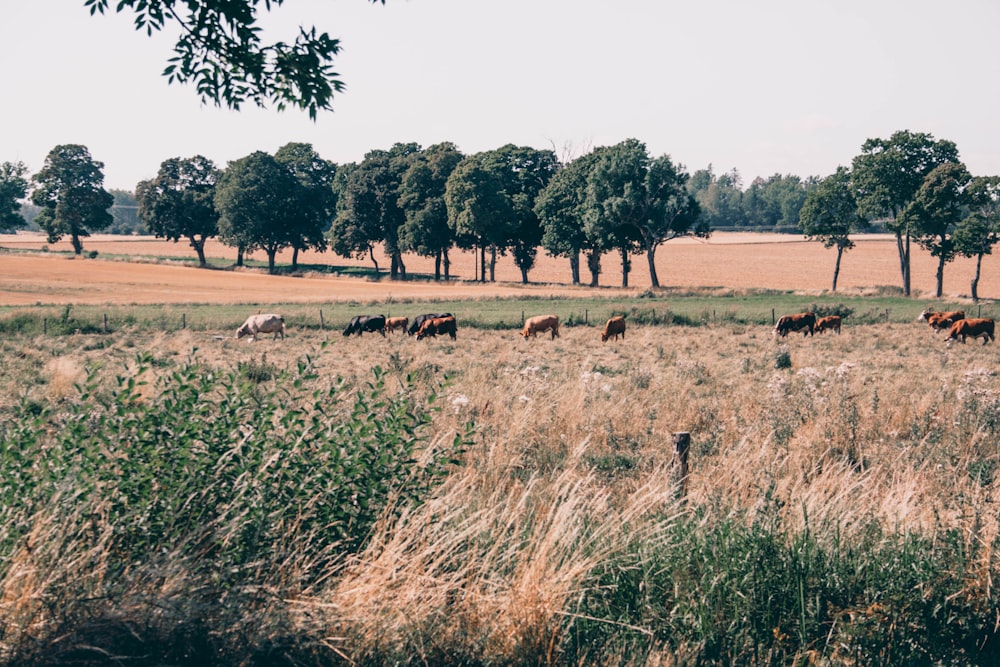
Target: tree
[[476, 208], [886, 176], [180, 202], [13, 188], [255, 197], [425, 229], [314, 198], [368, 210], [936, 210], [643, 200], [976, 235], [523, 172], [559, 207], [719, 197], [124, 213], [219, 49], [491, 198], [830, 214], [775, 202], [70, 190]]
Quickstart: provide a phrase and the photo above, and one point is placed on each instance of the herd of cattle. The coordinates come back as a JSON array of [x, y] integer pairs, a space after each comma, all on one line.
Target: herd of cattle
[[959, 327], [422, 326]]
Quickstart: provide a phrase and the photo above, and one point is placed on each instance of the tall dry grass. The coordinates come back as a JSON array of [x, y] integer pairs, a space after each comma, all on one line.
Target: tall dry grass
[[564, 525]]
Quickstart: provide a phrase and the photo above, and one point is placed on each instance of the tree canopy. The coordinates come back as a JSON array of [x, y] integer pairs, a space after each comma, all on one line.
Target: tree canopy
[[179, 202], [13, 188], [255, 197], [70, 190], [886, 176], [830, 214], [220, 50]]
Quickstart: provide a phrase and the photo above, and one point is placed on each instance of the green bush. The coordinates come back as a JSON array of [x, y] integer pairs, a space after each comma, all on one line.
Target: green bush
[[222, 467]]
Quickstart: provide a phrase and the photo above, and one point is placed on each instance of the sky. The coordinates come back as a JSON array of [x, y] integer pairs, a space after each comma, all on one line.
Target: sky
[[761, 86]]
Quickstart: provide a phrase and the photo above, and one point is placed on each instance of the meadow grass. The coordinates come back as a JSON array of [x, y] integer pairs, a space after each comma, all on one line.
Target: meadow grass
[[170, 496], [656, 307]]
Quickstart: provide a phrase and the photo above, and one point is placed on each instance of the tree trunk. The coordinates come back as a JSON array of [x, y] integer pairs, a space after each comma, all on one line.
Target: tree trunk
[[199, 248], [271, 253], [594, 265], [295, 259], [482, 263], [836, 267], [940, 276], [654, 280], [493, 264], [975, 279], [574, 267], [626, 266], [447, 265], [437, 265], [371, 254], [906, 279], [239, 256], [903, 249], [77, 243], [524, 275]]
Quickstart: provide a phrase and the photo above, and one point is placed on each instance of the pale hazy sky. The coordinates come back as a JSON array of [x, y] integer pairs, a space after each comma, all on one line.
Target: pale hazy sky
[[765, 87]]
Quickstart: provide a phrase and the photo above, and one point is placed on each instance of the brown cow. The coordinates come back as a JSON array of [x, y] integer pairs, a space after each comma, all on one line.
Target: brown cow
[[393, 323], [540, 324], [830, 322], [436, 326], [614, 327], [796, 322], [971, 328], [941, 320]]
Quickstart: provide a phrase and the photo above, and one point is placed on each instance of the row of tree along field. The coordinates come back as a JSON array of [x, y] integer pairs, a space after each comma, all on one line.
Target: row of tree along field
[[616, 201]]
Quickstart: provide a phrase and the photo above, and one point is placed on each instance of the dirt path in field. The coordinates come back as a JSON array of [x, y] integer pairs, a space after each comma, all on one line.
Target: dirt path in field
[[727, 260]]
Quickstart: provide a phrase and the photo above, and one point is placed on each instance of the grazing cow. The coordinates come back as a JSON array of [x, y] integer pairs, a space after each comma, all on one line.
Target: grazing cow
[[540, 324], [437, 326], [614, 327], [971, 328], [796, 322], [393, 323], [419, 320], [258, 324], [361, 323], [940, 320], [830, 322]]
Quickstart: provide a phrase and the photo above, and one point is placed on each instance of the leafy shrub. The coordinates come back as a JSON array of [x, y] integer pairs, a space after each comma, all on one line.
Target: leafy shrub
[[226, 472]]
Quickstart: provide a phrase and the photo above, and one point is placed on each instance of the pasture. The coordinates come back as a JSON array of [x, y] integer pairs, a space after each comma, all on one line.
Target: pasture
[[172, 494], [841, 501]]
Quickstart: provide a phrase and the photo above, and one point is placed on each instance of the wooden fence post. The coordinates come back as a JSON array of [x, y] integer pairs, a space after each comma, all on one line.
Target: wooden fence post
[[682, 447], [321, 319], [184, 320], [772, 317], [105, 323]]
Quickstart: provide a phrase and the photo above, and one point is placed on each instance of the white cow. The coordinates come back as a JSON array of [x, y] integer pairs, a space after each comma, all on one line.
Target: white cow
[[258, 324]]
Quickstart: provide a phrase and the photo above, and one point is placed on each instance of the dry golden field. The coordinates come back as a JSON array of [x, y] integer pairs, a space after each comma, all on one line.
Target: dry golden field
[[565, 514], [730, 260]]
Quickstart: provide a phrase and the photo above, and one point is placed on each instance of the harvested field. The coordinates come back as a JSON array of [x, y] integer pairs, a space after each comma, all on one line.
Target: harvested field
[[727, 260]]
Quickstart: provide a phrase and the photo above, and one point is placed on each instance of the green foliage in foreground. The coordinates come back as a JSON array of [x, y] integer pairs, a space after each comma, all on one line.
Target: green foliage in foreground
[[234, 480], [747, 591]]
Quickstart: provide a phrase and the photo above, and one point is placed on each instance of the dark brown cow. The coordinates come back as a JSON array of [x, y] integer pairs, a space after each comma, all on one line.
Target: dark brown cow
[[797, 322], [971, 328], [828, 323], [540, 324], [614, 327], [438, 326], [941, 320]]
